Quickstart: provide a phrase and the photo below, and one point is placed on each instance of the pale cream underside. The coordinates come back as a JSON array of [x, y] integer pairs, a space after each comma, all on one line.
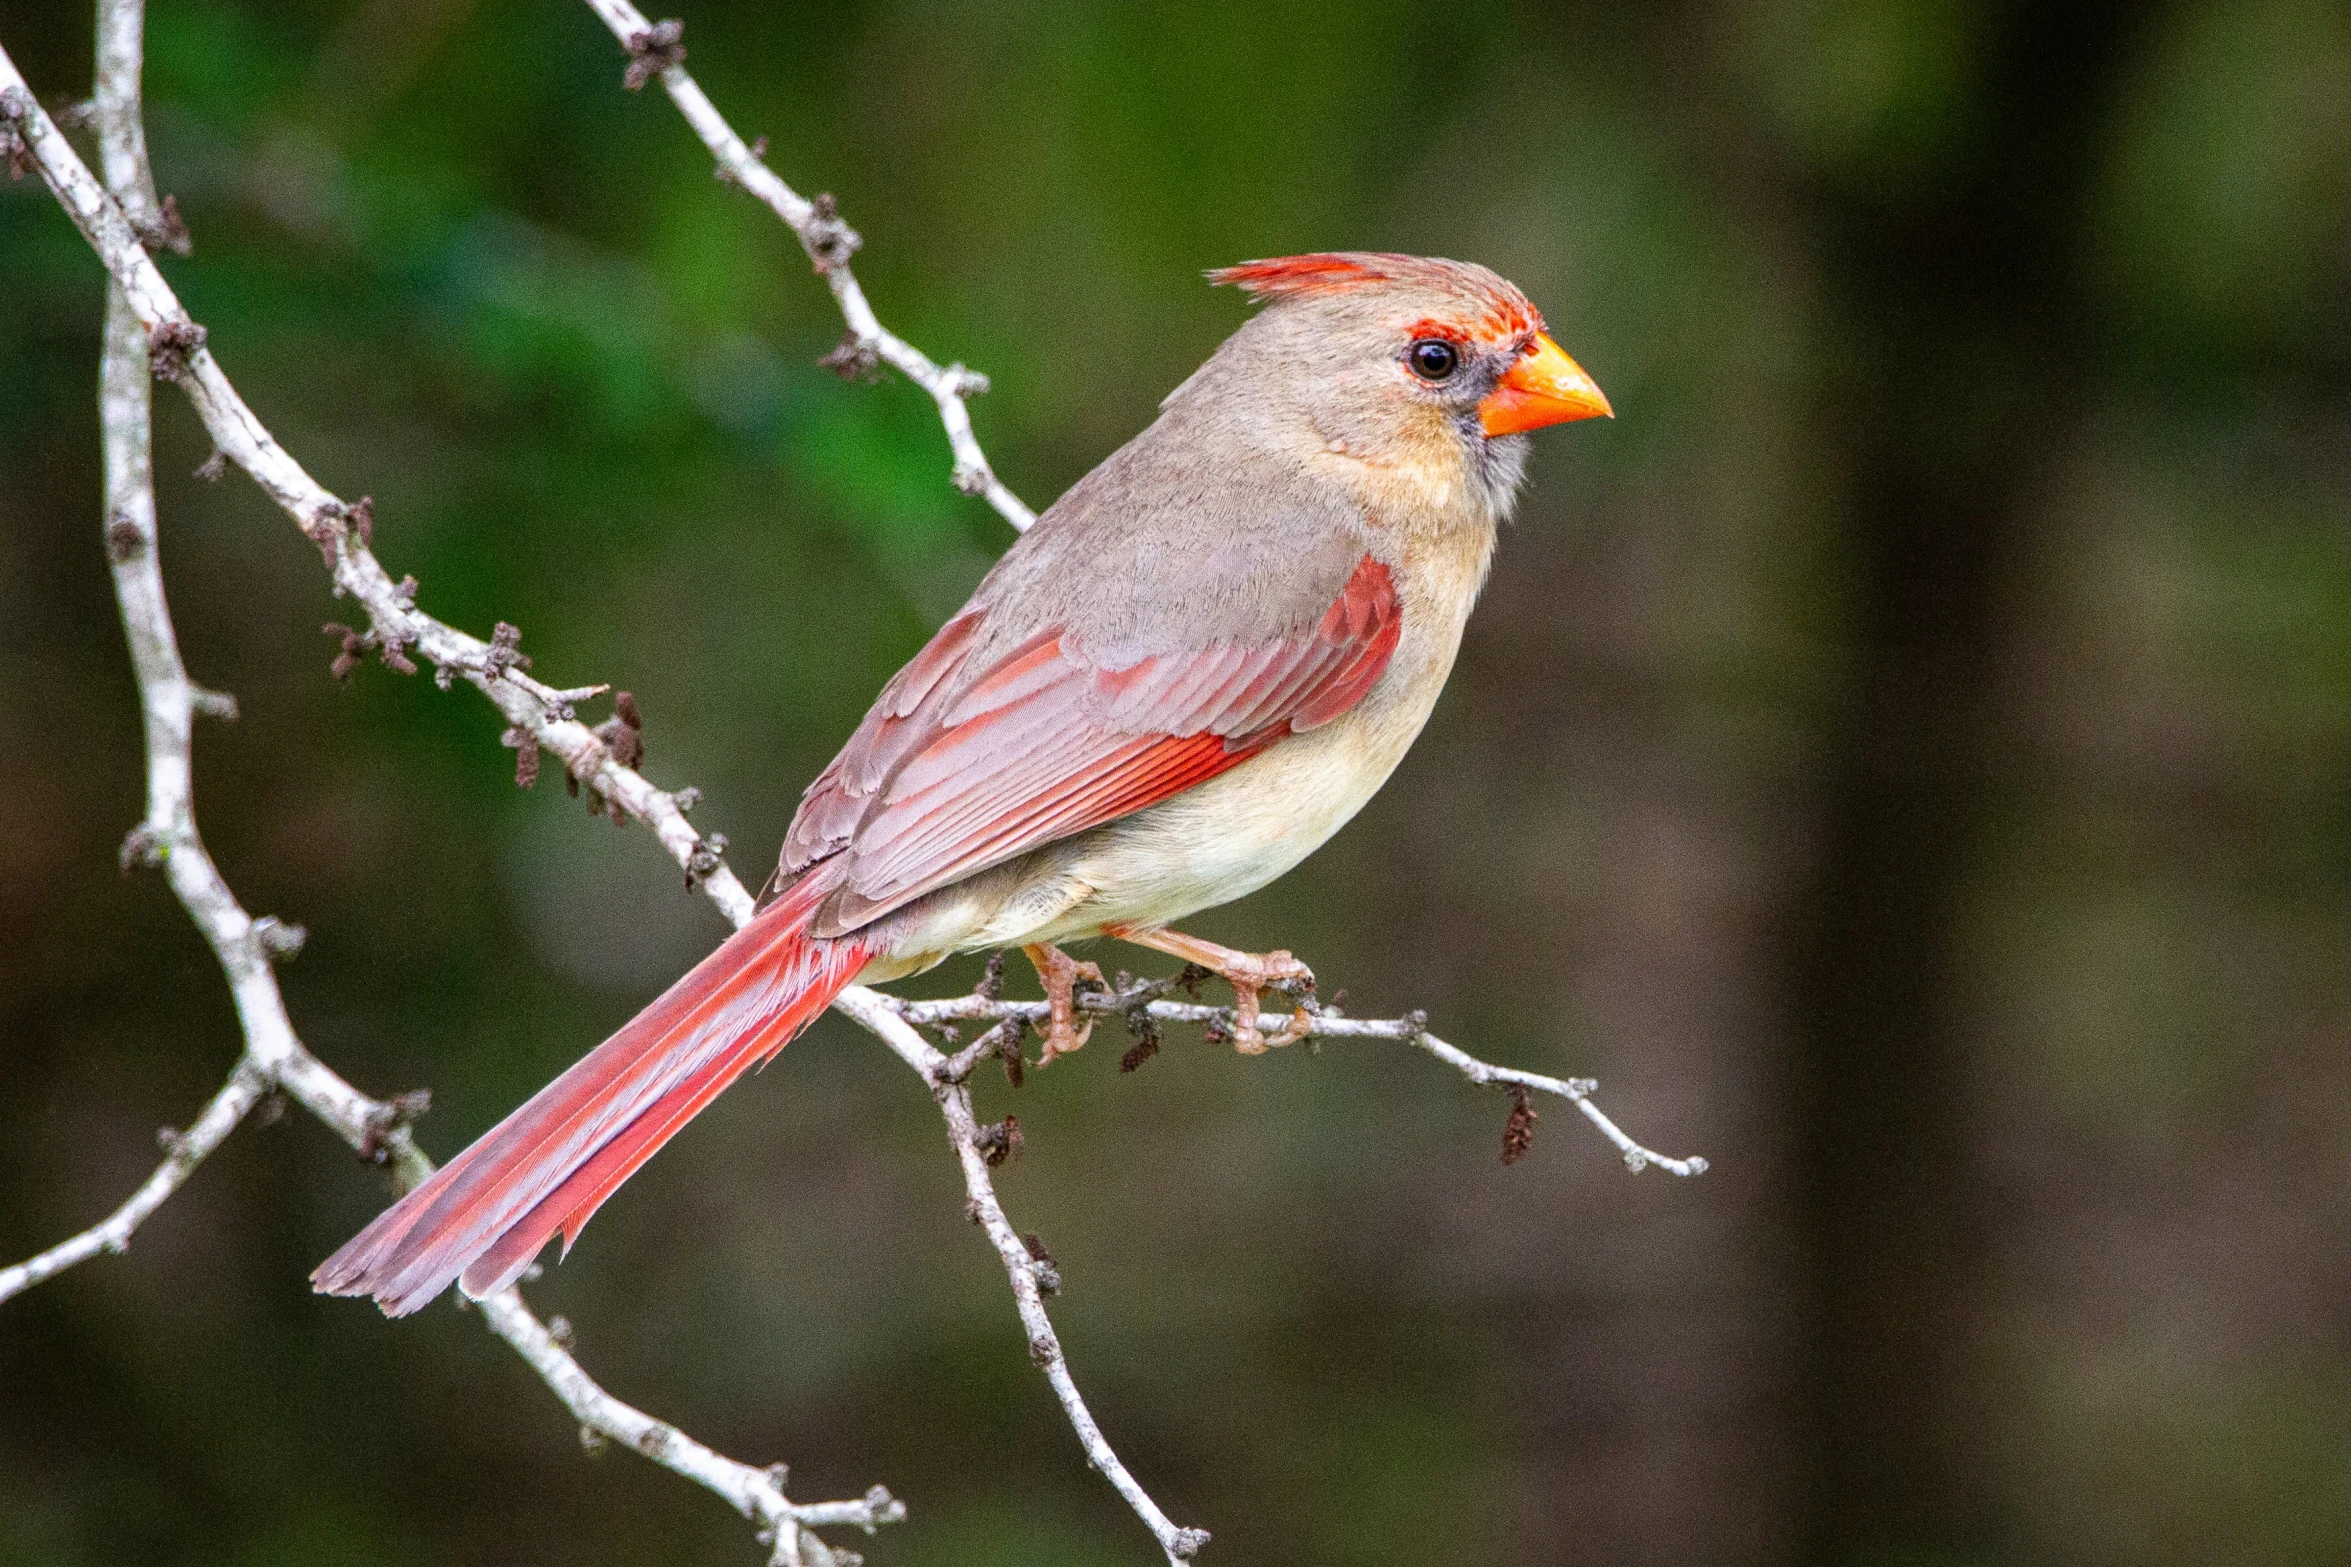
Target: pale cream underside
[[1231, 835]]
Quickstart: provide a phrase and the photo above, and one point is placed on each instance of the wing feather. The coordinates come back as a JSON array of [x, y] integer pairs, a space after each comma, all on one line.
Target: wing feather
[[959, 768]]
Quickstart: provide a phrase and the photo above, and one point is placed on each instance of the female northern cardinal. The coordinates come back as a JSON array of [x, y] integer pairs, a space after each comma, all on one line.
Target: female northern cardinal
[[1199, 663]]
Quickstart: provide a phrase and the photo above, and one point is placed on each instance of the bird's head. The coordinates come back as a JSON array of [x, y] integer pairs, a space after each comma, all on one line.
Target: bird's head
[[1429, 370]]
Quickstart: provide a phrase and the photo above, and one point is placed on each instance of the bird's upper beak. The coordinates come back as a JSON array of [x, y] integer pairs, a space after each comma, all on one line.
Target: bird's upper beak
[[1542, 387]]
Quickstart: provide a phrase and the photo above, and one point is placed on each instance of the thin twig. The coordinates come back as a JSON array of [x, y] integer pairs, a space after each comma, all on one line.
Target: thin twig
[[657, 48], [880, 1014], [186, 1150], [1320, 1023]]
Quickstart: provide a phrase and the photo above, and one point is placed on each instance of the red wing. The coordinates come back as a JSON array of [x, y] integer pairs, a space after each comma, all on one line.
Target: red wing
[[951, 774]]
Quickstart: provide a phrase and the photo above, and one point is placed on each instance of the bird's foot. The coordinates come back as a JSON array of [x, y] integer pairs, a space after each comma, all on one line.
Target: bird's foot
[[1061, 974], [1250, 974]]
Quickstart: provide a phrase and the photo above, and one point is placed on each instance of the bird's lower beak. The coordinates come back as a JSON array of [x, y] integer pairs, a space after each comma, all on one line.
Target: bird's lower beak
[[1542, 387]]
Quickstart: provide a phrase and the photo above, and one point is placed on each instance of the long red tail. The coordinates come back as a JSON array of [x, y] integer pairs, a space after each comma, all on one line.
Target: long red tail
[[550, 1165]]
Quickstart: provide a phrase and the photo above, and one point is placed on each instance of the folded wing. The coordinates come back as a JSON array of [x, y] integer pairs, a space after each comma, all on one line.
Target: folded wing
[[958, 768]]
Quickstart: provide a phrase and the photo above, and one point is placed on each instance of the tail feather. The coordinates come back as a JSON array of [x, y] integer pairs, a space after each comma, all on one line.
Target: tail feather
[[569, 1206], [552, 1163]]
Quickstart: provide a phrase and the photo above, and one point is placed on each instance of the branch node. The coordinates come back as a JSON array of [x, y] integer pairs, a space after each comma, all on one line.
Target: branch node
[[172, 1141], [278, 940], [212, 704], [727, 176], [387, 1120], [854, 359], [706, 858], [351, 654], [525, 745], [1187, 1543], [971, 478], [12, 143], [167, 230], [125, 540], [1518, 1133], [1145, 1028], [991, 983], [505, 651], [591, 1440], [559, 1332], [1009, 1034], [326, 529], [171, 347], [998, 1141], [1043, 1352], [211, 469], [73, 116], [653, 50], [392, 647], [1042, 1267], [143, 848], [686, 799], [623, 733], [829, 241], [964, 381]]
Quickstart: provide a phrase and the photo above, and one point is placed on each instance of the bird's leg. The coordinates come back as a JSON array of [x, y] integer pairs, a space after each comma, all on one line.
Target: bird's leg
[[1247, 972], [1060, 974]]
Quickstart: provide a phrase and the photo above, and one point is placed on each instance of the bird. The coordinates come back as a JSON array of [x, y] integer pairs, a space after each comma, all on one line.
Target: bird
[[1191, 671]]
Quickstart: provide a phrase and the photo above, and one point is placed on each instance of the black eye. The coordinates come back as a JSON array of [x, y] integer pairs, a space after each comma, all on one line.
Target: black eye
[[1433, 359]]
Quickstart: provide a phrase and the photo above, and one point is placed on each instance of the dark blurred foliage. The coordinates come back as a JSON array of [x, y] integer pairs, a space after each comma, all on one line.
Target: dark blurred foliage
[[1906, 756]]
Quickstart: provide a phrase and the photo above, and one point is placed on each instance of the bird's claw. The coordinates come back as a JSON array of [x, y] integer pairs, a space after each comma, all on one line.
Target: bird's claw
[[1250, 973], [1061, 975]]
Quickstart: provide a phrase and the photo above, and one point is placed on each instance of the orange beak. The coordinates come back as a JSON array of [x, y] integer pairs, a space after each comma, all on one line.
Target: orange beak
[[1543, 387]]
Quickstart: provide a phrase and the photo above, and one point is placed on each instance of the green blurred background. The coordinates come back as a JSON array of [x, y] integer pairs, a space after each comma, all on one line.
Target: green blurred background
[[1906, 757]]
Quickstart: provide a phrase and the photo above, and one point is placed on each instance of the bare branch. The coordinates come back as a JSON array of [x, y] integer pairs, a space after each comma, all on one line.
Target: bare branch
[[274, 1057], [396, 626], [657, 48], [1142, 999], [881, 1014], [757, 1494], [184, 1151]]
